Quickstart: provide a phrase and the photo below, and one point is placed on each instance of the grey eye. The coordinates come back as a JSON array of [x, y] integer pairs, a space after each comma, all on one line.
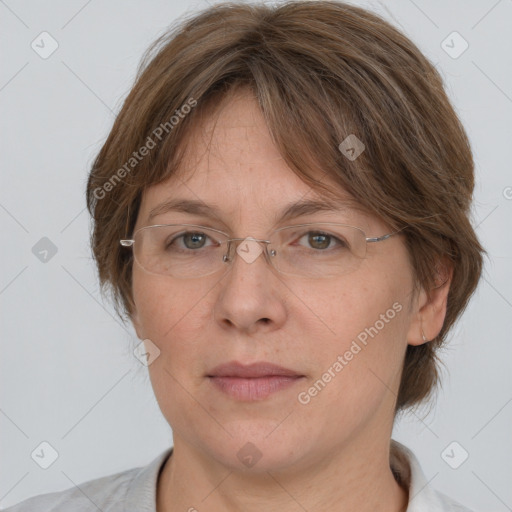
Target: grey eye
[[190, 240], [194, 240]]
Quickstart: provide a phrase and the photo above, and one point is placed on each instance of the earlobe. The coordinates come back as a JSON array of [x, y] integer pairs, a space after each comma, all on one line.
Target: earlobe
[[431, 308]]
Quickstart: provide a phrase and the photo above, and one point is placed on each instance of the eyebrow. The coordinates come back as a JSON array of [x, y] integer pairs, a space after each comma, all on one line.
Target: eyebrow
[[291, 211]]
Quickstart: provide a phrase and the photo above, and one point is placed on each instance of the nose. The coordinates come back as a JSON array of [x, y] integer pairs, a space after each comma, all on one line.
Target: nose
[[251, 296]]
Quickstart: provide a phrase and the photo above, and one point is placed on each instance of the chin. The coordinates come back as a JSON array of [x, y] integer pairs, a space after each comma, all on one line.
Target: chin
[[259, 449]]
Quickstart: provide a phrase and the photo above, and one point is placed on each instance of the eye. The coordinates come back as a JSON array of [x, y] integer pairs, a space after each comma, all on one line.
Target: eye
[[319, 240], [189, 240]]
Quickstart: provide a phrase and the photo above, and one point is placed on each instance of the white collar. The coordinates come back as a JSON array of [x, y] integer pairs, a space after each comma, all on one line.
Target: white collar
[[422, 497]]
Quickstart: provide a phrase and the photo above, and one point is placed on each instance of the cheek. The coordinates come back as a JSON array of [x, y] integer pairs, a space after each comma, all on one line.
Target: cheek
[[342, 310], [173, 315], [362, 326], [161, 304]]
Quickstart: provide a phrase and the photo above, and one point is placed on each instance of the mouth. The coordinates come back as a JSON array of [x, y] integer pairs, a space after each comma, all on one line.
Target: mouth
[[252, 382]]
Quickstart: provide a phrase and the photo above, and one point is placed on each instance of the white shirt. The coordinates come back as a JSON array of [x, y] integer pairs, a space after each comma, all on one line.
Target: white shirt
[[134, 490]]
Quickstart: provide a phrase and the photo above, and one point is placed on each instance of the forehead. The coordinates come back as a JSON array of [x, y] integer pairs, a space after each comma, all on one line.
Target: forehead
[[231, 162]]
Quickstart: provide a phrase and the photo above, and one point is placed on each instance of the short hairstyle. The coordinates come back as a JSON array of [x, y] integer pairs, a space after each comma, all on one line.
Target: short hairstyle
[[321, 71]]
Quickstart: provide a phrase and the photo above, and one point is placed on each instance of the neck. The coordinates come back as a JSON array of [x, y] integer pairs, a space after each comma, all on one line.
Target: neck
[[347, 479]]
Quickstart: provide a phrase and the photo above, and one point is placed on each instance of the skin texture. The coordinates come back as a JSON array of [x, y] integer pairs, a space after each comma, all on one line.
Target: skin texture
[[330, 453]]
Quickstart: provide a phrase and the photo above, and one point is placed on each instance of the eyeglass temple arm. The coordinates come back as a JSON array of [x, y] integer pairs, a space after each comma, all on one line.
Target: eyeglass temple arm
[[126, 243], [383, 237], [379, 238]]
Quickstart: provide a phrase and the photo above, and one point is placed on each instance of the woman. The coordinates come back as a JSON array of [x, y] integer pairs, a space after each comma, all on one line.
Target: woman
[[281, 210]]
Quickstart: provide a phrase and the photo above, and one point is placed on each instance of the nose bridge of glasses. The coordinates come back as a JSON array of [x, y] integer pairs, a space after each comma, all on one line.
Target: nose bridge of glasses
[[249, 249]]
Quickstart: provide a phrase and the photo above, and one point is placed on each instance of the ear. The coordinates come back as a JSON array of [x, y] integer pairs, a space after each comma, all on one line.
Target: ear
[[430, 308]]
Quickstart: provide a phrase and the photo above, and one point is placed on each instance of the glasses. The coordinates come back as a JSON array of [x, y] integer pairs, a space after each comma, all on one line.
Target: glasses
[[188, 251]]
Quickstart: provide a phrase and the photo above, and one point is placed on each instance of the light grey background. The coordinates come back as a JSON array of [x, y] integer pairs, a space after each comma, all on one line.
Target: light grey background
[[68, 374]]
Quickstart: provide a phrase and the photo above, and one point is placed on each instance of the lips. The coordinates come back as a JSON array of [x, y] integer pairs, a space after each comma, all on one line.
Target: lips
[[252, 382], [251, 371]]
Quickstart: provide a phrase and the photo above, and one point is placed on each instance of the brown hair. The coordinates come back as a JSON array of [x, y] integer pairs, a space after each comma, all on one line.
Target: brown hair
[[328, 70]]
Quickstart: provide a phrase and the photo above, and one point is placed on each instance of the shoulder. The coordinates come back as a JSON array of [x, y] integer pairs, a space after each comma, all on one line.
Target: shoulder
[[111, 493], [445, 503], [101, 493], [422, 497]]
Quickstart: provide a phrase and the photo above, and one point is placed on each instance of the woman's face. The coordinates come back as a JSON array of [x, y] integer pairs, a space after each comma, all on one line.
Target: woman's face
[[361, 320]]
